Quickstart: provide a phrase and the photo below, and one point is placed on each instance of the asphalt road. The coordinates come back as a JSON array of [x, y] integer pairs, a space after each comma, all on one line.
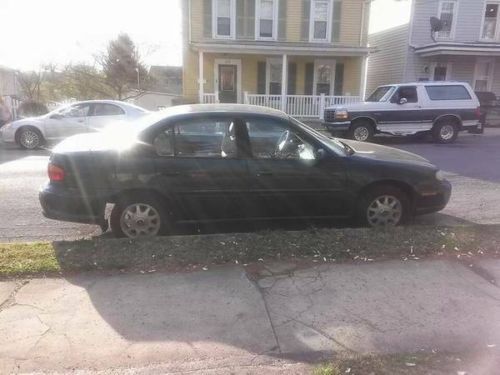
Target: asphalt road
[[472, 165]]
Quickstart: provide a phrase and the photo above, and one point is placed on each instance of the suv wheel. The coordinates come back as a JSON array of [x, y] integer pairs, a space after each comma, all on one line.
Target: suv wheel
[[30, 138], [445, 132], [383, 206], [138, 216], [361, 131]]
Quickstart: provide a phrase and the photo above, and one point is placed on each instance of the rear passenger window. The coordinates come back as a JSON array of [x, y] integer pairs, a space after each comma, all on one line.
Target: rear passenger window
[[448, 92], [206, 138]]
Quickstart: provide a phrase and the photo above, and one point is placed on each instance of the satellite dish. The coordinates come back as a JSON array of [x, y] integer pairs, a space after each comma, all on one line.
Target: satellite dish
[[436, 24]]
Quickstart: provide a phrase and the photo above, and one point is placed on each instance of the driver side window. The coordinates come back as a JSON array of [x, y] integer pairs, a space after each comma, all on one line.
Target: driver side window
[[408, 92], [270, 139], [77, 110]]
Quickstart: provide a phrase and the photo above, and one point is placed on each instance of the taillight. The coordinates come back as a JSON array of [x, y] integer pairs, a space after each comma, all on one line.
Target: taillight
[[478, 112], [56, 173]]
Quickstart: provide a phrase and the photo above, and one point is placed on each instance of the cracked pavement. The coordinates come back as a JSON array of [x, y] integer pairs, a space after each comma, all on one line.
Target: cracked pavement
[[228, 318]]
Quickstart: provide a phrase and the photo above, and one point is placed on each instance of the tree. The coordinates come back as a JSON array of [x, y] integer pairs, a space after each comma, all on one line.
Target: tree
[[123, 70], [30, 84]]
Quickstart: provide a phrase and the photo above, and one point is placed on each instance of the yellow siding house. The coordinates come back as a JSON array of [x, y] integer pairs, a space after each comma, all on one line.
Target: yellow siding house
[[294, 55]]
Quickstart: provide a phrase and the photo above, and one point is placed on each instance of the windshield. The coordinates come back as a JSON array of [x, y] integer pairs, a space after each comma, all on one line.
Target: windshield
[[381, 94]]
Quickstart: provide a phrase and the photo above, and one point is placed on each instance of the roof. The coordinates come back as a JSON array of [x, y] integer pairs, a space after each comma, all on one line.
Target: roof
[[425, 83], [223, 108]]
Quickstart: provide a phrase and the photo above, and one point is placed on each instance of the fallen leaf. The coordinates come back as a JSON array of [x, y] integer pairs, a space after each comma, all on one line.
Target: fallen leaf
[[410, 364], [491, 345], [205, 268], [348, 370]]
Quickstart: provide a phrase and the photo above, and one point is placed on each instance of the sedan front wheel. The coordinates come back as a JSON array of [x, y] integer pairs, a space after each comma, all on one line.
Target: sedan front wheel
[[30, 138], [384, 206]]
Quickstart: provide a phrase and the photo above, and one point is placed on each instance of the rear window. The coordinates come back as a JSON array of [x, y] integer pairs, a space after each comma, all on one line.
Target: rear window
[[457, 92]]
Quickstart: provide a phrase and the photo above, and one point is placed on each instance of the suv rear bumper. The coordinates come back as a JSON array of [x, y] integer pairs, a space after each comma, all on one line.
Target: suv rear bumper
[[70, 205]]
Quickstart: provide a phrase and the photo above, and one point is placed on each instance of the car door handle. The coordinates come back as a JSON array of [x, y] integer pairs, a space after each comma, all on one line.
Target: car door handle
[[264, 173]]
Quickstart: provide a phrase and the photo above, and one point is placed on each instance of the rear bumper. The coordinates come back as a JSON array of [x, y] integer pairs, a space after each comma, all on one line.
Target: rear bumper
[[70, 205], [426, 204]]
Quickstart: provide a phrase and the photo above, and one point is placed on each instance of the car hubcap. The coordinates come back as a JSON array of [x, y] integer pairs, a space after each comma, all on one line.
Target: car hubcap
[[29, 139], [361, 134], [447, 132], [384, 211], [140, 219]]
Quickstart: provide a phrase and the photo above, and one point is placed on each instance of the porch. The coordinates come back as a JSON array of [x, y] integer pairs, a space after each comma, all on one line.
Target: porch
[[301, 106], [300, 81]]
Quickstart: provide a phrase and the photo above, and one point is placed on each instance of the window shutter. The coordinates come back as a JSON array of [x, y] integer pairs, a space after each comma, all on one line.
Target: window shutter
[[261, 77], [282, 20], [292, 78], [336, 20], [308, 87], [245, 19], [339, 79], [306, 13], [207, 18]]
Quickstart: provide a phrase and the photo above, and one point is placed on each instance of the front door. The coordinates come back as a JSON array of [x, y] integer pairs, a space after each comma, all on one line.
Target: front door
[[68, 121], [228, 90], [287, 180]]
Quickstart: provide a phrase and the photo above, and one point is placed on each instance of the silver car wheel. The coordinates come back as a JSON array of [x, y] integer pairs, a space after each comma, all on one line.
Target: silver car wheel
[[140, 220], [361, 134], [447, 132], [384, 211], [29, 139]]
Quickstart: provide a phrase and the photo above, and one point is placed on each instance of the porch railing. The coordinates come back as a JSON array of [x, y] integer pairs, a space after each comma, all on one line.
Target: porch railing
[[305, 106]]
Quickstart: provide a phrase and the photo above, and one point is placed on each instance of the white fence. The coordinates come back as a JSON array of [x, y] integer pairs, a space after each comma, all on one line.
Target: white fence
[[304, 106]]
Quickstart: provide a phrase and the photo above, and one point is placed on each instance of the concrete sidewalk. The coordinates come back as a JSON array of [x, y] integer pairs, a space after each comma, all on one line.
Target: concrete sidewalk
[[226, 319]]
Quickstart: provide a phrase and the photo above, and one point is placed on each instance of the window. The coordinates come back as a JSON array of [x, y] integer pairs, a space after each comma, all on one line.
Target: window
[[274, 76], [320, 25], [107, 110], [224, 18], [76, 110], [448, 92], [270, 139], [490, 22], [483, 75], [197, 138], [447, 14], [408, 92], [381, 94], [324, 77], [266, 19]]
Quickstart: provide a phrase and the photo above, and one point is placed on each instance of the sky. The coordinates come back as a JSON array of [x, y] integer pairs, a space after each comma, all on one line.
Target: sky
[[38, 32]]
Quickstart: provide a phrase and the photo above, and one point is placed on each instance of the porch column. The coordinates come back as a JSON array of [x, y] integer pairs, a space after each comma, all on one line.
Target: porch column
[[362, 84], [201, 79], [284, 82]]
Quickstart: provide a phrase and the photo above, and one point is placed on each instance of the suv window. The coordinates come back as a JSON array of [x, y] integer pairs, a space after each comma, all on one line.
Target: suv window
[[270, 139], [448, 92], [197, 138], [103, 109], [407, 92]]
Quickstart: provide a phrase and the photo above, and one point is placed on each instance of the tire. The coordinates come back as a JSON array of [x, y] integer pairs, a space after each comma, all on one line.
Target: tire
[[146, 215], [361, 131], [372, 214], [445, 131], [29, 138]]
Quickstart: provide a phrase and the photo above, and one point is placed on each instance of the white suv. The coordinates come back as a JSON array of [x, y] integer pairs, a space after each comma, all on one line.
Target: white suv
[[442, 108]]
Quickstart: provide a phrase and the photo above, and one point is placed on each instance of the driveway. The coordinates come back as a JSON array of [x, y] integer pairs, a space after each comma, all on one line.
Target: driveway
[[472, 165]]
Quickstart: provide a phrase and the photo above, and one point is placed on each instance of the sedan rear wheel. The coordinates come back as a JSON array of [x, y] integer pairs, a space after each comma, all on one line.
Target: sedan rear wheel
[[384, 206], [138, 217]]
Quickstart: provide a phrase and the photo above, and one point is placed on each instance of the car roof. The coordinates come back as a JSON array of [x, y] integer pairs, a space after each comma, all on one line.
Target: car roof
[[428, 83], [222, 108]]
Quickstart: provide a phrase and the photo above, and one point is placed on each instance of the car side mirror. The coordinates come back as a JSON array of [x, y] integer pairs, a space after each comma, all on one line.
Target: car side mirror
[[403, 101], [321, 154], [56, 116]]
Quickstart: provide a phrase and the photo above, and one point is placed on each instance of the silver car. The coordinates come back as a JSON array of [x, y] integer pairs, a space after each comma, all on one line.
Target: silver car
[[76, 118]]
